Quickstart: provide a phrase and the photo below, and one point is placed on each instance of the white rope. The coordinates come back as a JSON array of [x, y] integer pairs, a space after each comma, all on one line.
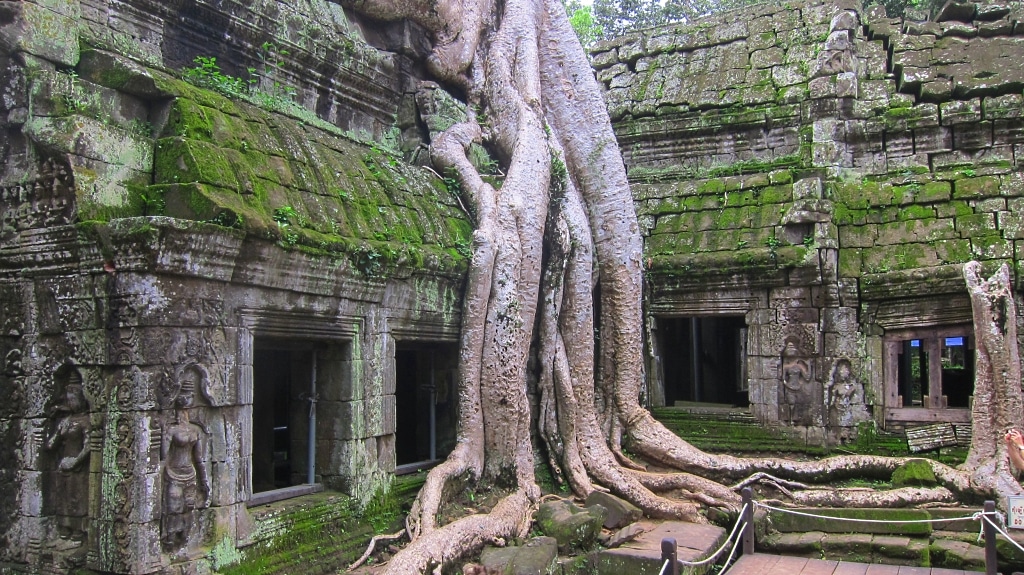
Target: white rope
[[856, 520], [732, 553], [663, 567], [713, 556], [999, 528]]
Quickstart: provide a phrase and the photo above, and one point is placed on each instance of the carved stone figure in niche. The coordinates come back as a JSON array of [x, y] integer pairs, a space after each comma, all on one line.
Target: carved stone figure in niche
[[797, 385], [184, 461], [67, 441], [846, 405]]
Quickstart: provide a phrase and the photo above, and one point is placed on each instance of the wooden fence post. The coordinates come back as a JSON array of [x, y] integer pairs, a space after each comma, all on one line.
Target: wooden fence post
[[991, 558], [748, 518], [670, 554]]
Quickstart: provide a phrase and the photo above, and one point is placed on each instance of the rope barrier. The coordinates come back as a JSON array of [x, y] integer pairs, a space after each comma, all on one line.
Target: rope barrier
[[856, 520], [732, 552], [981, 517], [999, 528], [714, 556]]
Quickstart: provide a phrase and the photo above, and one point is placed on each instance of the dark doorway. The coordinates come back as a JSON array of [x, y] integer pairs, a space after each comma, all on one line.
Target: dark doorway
[[282, 378], [425, 402], [704, 359]]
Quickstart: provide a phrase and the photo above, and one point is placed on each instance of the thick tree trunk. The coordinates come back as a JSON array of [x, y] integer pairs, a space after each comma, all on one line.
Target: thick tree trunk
[[997, 386], [561, 229]]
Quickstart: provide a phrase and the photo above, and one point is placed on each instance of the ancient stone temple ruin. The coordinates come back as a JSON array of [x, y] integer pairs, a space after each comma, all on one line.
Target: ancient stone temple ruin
[[227, 277], [811, 181]]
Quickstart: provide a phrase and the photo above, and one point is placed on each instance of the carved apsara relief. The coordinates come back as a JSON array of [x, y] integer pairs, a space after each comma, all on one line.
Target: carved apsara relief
[[68, 442], [846, 399], [796, 394], [184, 460]]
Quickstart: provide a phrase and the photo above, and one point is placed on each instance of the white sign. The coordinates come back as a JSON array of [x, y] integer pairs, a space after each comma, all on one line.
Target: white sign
[[1015, 506]]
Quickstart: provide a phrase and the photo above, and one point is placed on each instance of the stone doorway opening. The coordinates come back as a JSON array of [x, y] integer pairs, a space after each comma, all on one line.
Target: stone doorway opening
[[704, 360], [284, 409], [426, 406]]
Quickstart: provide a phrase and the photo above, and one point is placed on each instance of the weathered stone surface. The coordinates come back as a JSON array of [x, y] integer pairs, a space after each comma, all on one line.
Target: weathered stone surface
[[573, 527], [536, 557], [618, 512]]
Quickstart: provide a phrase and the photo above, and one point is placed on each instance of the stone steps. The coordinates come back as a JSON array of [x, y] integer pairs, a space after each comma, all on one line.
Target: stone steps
[[727, 431], [735, 430], [953, 545]]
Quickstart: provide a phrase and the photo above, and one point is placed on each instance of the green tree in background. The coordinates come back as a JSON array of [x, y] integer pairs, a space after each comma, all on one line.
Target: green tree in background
[[619, 17], [612, 18], [582, 20]]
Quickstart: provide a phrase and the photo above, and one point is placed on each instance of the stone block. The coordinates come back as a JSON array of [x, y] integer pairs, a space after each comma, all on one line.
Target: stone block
[[857, 237], [788, 75], [997, 28], [807, 188], [953, 251], [386, 453], [601, 60], [224, 481], [829, 154], [1011, 225], [935, 191], [992, 246], [908, 162], [937, 90], [899, 144], [974, 136], [979, 187], [933, 139], [845, 20], [340, 419], [960, 554], [619, 512], [573, 527], [841, 344], [536, 557], [842, 320], [926, 229], [989, 205], [767, 58], [48, 30], [847, 85], [1002, 107]]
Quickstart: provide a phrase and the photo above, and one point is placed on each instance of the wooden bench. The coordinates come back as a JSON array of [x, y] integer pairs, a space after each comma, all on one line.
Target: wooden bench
[[930, 437]]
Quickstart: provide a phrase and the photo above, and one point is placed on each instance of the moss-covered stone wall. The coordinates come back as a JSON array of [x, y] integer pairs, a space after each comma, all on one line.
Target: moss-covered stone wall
[[823, 171], [159, 237]]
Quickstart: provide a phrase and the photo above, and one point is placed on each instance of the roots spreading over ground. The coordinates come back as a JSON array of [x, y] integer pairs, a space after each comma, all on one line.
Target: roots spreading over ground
[[557, 242]]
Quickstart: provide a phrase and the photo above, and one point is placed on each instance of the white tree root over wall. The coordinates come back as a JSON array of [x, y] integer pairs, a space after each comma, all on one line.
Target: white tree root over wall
[[561, 229]]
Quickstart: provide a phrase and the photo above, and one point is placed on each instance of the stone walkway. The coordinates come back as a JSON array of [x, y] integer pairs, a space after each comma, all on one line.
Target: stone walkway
[[643, 554], [763, 564]]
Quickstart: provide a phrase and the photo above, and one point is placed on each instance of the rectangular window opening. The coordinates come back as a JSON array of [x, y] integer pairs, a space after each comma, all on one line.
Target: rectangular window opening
[[703, 360], [929, 369], [294, 381], [426, 403]]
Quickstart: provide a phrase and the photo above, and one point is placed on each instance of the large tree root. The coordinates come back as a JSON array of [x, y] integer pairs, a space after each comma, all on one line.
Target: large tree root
[[373, 546], [509, 519]]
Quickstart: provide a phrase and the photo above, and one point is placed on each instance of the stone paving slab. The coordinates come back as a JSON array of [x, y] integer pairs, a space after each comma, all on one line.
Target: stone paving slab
[[764, 564], [643, 555]]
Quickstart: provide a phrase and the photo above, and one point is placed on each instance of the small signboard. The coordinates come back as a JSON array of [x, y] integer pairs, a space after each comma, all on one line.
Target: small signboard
[[1015, 506]]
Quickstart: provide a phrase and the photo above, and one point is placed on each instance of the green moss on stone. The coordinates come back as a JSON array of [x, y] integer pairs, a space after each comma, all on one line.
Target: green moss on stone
[[915, 473], [984, 186]]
